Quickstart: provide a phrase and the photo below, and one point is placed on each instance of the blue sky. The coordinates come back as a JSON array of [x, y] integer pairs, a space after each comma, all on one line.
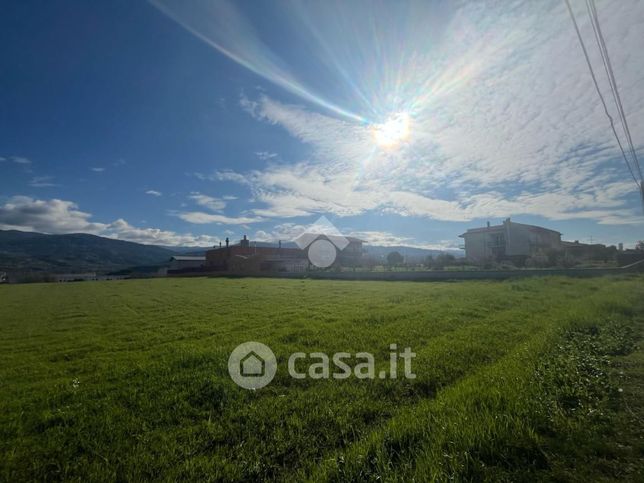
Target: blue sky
[[403, 123]]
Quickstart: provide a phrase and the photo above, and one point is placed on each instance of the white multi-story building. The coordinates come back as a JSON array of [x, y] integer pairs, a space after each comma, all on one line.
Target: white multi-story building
[[509, 241]]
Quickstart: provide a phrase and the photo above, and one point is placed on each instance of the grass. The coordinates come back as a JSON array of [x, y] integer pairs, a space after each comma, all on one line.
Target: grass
[[516, 381]]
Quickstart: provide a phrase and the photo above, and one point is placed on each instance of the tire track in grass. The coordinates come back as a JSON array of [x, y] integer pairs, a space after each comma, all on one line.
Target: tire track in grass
[[487, 416], [454, 344]]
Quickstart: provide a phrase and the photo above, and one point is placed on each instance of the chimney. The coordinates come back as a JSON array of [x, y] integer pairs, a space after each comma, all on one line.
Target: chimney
[[219, 243], [488, 224], [227, 242], [245, 242]]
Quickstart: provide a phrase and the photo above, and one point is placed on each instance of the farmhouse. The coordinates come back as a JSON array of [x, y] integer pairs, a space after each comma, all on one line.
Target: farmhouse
[[75, 277], [243, 257], [509, 241], [247, 257], [351, 255], [179, 263], [588, 251]]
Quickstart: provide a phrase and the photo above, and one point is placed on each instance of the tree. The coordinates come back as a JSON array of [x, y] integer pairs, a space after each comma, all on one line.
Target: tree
[[442, 260], [639, 246], [394, 259]]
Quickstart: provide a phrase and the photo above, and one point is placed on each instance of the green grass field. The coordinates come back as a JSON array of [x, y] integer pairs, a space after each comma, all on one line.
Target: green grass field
[[528, 380]]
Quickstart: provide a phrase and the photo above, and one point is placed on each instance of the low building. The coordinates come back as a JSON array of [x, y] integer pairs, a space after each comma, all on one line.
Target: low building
[[184, 263], [351, 255], [75, 277], [627, 257], [247, 257], [588, 251], [509, 241]]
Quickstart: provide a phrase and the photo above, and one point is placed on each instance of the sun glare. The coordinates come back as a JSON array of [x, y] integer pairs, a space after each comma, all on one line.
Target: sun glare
[[393, 131]]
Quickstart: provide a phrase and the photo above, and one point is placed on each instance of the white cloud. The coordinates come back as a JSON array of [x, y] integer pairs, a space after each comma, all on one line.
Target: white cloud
[[15, 159], [42, 182], [59, 217], [227, 175], [310, 188], [577, 176], [213, 204], [122, 230], [266, 155], [387, 239], [201, 218], [505, 121], [97, 170], [505, 118], [153, 193], [283, 231], [46, 216], [381, 238], [216, 207]]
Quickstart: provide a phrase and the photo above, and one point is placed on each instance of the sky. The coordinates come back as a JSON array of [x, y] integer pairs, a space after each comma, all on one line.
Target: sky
[[403, 123]]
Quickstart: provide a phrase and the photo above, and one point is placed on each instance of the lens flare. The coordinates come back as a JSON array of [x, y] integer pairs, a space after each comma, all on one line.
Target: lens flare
[[392, 132]]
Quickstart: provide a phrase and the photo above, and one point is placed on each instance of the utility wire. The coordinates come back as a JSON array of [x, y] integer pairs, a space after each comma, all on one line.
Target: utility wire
[[599, 37], [601, 97]]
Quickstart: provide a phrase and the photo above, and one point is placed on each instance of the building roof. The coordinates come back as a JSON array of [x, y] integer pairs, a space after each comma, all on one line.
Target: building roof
[[584, 245], [495, 228], [289, 245], [181, 258], [481, 230]]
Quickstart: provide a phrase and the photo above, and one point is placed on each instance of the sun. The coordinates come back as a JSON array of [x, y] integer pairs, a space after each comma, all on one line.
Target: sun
[[393, 131]]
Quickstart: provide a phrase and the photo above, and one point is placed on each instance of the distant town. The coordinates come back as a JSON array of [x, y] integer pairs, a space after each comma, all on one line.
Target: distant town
[[508, 245]]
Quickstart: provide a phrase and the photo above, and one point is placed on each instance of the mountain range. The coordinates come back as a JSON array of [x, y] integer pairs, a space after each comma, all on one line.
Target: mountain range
[[78, 252]]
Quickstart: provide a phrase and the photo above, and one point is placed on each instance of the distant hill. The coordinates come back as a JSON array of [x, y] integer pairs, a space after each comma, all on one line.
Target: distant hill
[[73, 253]]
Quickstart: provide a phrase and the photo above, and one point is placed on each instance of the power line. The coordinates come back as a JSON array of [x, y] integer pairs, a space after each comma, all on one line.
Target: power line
[[599, 37], [601, 97]]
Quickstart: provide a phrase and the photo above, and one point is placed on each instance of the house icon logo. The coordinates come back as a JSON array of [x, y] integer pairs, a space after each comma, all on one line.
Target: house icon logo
[[252, 365]]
